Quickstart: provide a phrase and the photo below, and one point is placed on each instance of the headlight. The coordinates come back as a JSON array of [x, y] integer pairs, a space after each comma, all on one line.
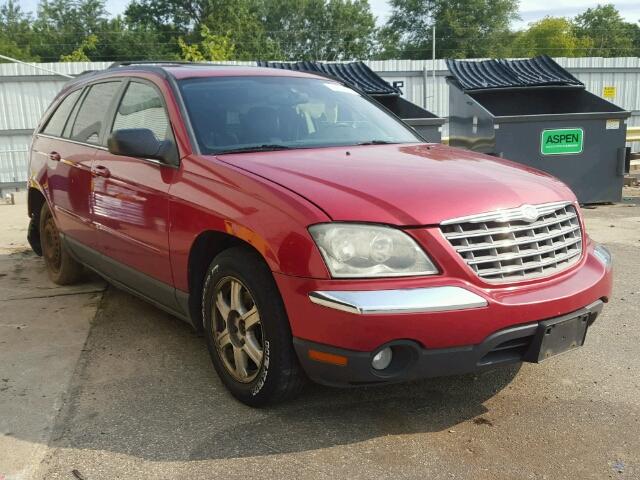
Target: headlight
[[359, 250]]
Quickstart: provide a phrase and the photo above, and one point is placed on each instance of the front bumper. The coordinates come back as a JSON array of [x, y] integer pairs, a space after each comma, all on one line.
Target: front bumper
[[362, 317], [411, 361]]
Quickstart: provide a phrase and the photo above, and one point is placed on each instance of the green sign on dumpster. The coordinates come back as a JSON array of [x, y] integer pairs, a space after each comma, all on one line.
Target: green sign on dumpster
[[561, 141]]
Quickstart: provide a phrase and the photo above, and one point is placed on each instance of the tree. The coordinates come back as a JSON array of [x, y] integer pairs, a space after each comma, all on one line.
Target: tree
[[211, 47], [320, 29], [609, 34], [14, 21], [15, 31], [635, 34], [551, 36], [464, 28], [120, 41], [11, 49], [80, 53], [265, 29], [236, 20], [62, 25]]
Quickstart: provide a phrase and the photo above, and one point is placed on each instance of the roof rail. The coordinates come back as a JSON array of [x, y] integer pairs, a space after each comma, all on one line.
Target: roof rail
[[150, 62]]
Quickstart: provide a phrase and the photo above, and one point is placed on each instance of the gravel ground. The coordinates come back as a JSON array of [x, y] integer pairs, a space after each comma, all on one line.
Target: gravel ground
[[138, 399]]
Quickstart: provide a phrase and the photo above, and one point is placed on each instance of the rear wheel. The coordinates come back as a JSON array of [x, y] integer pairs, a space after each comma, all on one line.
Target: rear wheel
[[247, 330], [61, 267]]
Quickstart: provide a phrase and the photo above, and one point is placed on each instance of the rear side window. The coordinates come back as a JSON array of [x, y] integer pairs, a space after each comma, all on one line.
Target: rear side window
[[142, 107], [88, 122], [56, 123]]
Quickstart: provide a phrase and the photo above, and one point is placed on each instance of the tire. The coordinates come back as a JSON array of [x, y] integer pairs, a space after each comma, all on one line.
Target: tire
[[244, 316], [61, 267]]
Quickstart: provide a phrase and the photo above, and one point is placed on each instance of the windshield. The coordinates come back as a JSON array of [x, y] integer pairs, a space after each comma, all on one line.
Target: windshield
[[268, 113]]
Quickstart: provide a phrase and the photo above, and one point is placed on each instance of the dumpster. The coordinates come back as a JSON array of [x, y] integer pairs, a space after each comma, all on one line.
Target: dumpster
[[359, 76], [536, 113]]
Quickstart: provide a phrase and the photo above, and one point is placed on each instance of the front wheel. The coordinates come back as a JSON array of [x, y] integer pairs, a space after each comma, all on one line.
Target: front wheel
[[247, 330]]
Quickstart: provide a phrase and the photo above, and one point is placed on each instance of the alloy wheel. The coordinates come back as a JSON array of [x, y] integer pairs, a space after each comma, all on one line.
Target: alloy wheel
[[237, 330]]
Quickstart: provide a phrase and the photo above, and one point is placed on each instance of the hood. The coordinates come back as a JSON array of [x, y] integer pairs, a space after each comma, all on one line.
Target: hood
[[410, 185]]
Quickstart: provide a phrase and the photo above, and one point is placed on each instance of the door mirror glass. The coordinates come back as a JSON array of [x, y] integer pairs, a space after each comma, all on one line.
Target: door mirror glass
[[142, 143]]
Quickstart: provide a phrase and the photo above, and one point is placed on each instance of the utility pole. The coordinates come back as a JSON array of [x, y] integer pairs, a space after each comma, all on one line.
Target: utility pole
[[38, 67], [433, 66]]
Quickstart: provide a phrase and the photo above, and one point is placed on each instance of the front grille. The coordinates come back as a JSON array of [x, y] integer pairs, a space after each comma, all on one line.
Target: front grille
[[517, 244]]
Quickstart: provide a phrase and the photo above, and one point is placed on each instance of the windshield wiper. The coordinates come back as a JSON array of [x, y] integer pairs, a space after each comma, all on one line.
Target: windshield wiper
[[376, 142], [267, 147]]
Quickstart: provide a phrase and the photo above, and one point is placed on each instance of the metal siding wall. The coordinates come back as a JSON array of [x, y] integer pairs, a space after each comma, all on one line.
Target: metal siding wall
[[23, 103], [66, 68], [13, 158], [26, 92]]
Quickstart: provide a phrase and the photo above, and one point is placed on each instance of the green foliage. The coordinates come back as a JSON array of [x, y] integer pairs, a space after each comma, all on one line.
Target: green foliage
[[319, 29], [266, 29], [464, 28], [11, 49], [62, 25], [15, 31], [211, 47], [551, 36], [236, 20], [480, 28], [80, 53], [72, 30], [635, 37], [608, 33]]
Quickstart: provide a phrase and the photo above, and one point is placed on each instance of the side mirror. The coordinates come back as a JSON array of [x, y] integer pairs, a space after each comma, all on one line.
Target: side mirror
[[141, 142]]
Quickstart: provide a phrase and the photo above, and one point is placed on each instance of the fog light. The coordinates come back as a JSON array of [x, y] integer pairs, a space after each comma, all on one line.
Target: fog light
[[382, 359]]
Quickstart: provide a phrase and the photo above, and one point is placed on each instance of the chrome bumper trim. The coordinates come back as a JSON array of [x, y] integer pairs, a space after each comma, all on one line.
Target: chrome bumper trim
[[417, 300]]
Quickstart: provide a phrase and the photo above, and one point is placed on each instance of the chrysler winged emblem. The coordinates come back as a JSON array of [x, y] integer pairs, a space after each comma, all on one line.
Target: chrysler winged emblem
[[529, 213]]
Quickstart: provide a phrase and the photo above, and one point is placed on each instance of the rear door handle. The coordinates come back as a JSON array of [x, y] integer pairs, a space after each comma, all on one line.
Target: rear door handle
[[55, 156], [101, 171]]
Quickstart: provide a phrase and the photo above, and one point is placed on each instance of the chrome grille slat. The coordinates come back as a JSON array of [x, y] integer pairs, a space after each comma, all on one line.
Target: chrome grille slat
[[479, 233], [505, 246], [524, 267], [515, 256], [512, 243], [506, 215]]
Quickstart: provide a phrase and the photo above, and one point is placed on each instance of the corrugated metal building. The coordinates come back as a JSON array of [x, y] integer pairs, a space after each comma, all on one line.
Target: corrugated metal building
[[26, 92]]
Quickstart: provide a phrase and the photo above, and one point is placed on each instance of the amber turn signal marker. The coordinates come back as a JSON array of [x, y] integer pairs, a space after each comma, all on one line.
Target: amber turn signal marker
[[326, 357]]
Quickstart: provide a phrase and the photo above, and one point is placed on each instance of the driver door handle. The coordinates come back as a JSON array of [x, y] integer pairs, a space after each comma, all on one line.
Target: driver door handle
[[101, 171]]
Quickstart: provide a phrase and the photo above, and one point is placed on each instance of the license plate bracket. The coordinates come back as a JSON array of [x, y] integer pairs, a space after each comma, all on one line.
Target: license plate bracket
[[557, 336]]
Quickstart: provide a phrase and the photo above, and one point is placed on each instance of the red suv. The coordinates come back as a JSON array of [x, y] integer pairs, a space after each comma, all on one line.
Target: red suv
[[305, 230]]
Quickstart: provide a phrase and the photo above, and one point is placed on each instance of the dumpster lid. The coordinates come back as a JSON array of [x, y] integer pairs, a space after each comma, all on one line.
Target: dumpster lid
[[354, 74], [500, 73]]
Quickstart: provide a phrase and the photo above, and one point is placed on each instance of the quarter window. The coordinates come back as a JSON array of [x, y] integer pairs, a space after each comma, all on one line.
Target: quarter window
[[142, 107], [88, 123], [56, 123]]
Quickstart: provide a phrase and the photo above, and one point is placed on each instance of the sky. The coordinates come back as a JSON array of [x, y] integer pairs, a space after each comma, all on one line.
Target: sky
[[530, 10]]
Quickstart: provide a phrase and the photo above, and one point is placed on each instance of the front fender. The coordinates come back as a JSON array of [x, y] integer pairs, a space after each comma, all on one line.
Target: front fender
[[210, 196]]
